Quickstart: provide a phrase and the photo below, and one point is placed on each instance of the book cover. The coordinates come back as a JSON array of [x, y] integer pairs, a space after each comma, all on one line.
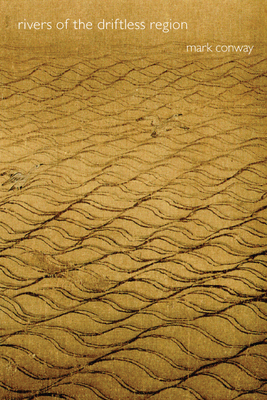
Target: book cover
[[133, 200]]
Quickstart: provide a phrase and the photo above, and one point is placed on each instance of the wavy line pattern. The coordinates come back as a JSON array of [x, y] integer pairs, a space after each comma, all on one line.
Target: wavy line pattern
[[133, 259]]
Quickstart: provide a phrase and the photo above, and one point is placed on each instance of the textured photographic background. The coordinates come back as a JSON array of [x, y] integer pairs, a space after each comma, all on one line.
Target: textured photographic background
[[133, 243]]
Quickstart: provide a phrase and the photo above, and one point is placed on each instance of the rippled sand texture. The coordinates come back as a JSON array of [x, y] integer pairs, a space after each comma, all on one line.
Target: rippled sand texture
[[133, 255]]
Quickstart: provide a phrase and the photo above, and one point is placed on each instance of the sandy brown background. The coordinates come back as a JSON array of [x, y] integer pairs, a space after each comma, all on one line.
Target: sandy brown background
[[133, 203], [229, 21]]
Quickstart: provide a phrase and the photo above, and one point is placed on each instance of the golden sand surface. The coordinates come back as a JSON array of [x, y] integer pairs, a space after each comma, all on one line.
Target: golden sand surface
[[133, 242], [132, 218]]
